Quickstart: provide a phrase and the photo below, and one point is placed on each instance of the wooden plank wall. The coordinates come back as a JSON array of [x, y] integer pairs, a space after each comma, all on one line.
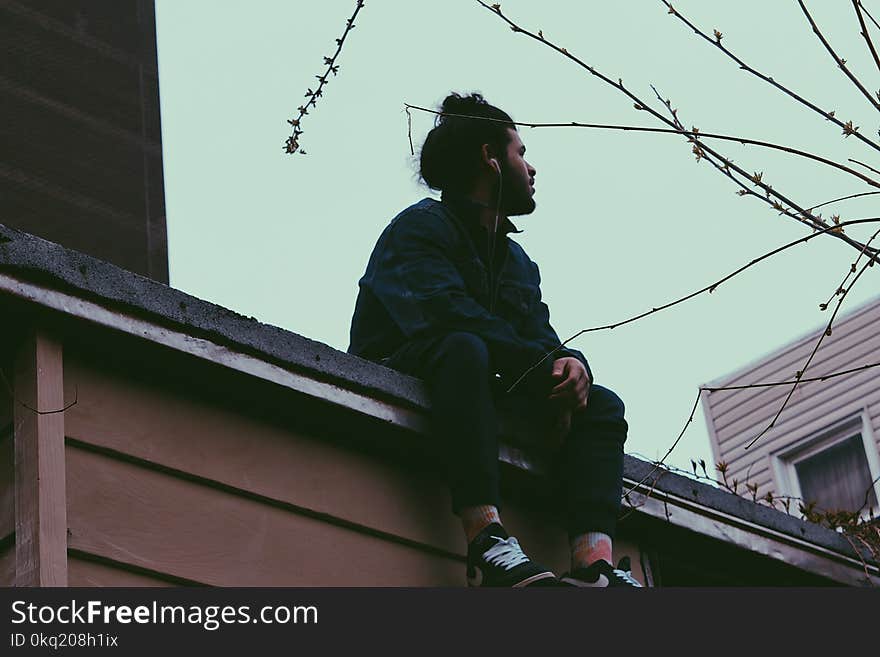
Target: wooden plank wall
[[7, 484], [7, 502], [738, 416], [84, 572], [181, 490], [39, 457], [7, 472], [7, 565]]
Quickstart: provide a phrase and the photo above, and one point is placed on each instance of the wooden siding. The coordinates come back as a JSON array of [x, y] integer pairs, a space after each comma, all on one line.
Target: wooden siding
[[150, 519], [82, 572], [736, 417], [7, 471], [218, 444], [241, 501], [38, 438], [7, 565], [7, 488]]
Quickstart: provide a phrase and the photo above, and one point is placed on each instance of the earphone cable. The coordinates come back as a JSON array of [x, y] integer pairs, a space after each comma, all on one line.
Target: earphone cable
[[494, 293]]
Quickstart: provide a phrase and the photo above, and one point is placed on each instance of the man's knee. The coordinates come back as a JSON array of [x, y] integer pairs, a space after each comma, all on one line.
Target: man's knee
[[604, 416], [466, 348], [605, 402]]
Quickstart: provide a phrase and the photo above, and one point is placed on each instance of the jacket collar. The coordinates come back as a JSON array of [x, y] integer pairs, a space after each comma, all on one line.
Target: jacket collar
[[467, 209]]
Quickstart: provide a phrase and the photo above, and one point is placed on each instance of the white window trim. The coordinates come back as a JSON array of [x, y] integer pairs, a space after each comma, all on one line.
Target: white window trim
[[783, 460]]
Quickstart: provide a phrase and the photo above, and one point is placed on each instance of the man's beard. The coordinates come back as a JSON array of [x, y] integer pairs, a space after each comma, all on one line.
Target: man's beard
[[522, 204]]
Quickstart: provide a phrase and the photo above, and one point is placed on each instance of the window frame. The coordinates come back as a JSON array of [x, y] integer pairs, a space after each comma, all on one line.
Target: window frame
[[786, 458]]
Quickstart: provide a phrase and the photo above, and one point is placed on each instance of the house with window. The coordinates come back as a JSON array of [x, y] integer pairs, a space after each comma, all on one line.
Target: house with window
[[823, 447]]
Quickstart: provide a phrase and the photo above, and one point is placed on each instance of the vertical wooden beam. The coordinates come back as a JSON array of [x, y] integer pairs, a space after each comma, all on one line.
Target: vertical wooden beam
[[40, 495]]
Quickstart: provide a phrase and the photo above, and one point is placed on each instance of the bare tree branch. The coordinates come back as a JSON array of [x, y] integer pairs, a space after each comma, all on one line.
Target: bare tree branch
[[659, 463], [868, 14], [666, 131], [708, 288], [841, 198], [811, 220], [11, 392], [722, 166], [864, 165], [291, 146], [852, 270], [841, 63], [772, 384], [829, 115], [662, 461], [857, 6], [827, 332]]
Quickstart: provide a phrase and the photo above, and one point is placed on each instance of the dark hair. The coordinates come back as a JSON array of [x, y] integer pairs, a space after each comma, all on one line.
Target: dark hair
[[450, 157]]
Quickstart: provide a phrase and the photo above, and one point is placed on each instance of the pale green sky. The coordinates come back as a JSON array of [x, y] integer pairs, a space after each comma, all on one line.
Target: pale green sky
[[624, 222]]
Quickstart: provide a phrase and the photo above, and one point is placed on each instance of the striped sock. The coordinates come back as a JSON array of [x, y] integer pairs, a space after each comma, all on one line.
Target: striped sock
[[589, 547], [475, 518]]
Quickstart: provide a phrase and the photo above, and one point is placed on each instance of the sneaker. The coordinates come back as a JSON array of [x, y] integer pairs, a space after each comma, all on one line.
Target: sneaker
[[602, 573], [496, 559]]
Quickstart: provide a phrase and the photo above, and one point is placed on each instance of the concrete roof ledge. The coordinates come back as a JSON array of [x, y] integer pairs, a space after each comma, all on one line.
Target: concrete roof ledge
[[41, 261], [29, 260]]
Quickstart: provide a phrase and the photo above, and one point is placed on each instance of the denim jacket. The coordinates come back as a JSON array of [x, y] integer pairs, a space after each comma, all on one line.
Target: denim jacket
[[428, 276]]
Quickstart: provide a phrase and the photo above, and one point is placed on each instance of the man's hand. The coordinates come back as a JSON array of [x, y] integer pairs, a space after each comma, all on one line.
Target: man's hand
[[574, 384]]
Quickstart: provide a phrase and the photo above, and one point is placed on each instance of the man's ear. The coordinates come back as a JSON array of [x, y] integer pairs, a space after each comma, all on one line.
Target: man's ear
[[489, 159]]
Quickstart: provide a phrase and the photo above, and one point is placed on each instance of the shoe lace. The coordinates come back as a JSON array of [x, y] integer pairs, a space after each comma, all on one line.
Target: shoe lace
[[506, 553], [626, 576]]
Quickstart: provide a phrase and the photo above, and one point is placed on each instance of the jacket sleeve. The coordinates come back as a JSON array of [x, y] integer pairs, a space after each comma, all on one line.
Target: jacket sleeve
[[537, 327], [425, 294]]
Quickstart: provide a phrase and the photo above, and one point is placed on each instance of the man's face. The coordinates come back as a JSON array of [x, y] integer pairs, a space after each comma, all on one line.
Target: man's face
[[518, 178]]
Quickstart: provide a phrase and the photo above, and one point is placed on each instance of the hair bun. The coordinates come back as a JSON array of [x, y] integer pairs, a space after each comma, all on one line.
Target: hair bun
[[457, 104]]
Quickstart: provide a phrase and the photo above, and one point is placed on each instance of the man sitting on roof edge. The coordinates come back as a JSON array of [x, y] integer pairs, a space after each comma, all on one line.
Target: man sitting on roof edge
[[448, 297]]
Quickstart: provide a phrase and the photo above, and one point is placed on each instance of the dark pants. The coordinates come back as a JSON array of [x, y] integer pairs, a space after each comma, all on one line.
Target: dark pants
[[459, 373]]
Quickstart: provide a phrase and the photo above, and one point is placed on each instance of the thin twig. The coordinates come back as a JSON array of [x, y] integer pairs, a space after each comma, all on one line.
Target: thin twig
[[829, 115], [412, 150], [841, 63], [708, 288], [842, 198], [666, 131], [868, 492], [825, 333], [852, 270], [864, 165], [292, 144], [788, 383], [672, 447], [11, 392], [860, 556], [647, 495], [857, 6], [721, 167], [868, 14]]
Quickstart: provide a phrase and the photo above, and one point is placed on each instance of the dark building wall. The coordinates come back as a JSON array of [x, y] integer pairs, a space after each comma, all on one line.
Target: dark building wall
[[81, 157]]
